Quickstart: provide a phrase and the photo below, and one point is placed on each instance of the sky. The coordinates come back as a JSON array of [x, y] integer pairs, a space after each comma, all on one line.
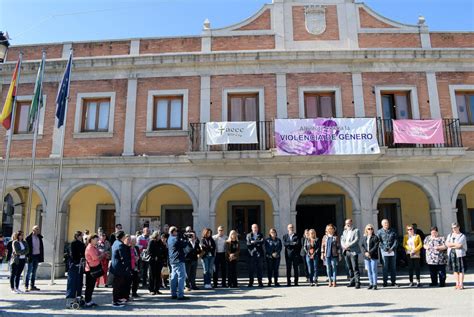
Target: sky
[[48, 21]]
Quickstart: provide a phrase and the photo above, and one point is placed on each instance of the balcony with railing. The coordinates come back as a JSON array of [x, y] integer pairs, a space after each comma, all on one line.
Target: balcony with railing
[[266, 137]]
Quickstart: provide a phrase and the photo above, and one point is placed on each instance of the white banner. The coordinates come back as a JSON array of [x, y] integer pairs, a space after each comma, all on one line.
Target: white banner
[[231, 132], [326, 136]]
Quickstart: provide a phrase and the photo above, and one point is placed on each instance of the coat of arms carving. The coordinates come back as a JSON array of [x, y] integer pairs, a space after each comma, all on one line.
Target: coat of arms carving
[[315, 18]]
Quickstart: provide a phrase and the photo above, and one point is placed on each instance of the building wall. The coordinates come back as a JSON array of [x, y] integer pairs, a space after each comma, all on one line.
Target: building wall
[[331, 189], [83, 209], [162, 196], [414, 204], [300, 33]]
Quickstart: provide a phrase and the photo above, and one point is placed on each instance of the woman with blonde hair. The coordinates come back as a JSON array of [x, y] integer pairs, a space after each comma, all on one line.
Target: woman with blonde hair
[[412, 245], [370, 246], [312, 248], [330, 253], [232, 252]]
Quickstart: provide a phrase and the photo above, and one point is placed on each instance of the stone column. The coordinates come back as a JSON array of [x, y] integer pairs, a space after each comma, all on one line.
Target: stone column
[[284, 202], [367, 214], [205, 217], [433, 95], [448, 213], [130, 113], [358, 92], [124, 212], [282, 108]]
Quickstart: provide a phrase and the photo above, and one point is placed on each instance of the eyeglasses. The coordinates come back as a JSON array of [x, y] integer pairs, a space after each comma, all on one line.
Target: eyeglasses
[[370, 228], [410, 229]]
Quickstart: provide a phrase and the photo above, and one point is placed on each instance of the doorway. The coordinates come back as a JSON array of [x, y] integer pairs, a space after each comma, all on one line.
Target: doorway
[[390, 209], [178, 216], [243, 217], [106, 215], [317, 211]]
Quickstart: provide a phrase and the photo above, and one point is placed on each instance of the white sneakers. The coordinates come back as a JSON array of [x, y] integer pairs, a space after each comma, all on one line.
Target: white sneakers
[[17, 291], [207, 286]]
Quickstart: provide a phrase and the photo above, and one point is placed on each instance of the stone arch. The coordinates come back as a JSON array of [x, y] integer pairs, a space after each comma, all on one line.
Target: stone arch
[[36, 188], [423, 184], [243, 180], [459, 187], [73, 189], [344, 185], [150, 186]]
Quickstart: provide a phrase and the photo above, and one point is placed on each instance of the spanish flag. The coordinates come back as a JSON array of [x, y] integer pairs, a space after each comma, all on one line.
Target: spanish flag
[[6, 116]]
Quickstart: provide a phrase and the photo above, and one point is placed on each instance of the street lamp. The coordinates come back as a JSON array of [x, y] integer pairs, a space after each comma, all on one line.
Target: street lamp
[[4, 44]]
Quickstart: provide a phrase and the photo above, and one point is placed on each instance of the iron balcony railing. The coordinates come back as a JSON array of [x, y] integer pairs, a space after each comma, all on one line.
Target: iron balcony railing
[[266, 137]]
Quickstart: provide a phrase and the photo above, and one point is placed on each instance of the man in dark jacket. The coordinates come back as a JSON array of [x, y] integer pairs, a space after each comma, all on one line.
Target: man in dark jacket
[[121, 268], [176, 255], [192, 251], [36, 256], [292, 253], [113, 236], [388, 250], [255, 244]]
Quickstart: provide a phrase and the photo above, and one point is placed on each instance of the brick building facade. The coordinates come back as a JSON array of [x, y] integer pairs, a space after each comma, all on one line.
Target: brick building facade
[[133, 151]]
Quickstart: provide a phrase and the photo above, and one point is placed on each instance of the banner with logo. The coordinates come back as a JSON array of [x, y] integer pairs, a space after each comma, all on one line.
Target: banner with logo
[[418, 131], [231, 133], [326, 136]]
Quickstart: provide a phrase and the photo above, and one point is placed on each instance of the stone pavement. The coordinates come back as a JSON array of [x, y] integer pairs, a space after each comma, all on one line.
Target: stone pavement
[[302, 300]]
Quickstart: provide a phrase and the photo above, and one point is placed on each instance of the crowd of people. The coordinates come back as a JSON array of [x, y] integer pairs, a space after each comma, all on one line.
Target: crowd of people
[[154, 260]]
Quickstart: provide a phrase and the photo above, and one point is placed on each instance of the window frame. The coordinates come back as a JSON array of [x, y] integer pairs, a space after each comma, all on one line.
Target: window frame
[[78, 118], [248, 90], [470, 115], [413, 91], [338, 109], [149, 132], [243, 96], [96, 129], [16, 124], [318, 95], [169, 99], [29, 135], [399, 93]]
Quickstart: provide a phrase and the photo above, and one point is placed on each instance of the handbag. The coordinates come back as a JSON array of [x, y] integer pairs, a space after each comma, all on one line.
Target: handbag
[[165, 272], [145, 256], [96, 271]]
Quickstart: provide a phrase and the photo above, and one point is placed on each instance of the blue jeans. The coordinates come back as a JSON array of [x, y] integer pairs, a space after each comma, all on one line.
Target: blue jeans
[[208, 268], [32, 268], [371, 266], [177, 279], [390, 265], [331, 268], [312, 265]]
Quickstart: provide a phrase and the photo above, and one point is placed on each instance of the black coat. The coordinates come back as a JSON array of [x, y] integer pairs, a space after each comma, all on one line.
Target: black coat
[[292, 246], [191, 253], [255, 246], [29, 240], [77, 251], [374, 247], [208, 246], [157, 250]]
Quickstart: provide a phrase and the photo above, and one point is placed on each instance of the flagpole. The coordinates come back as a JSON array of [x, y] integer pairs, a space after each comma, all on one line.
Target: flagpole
[[33, 154], [9, 140], [58, 191]]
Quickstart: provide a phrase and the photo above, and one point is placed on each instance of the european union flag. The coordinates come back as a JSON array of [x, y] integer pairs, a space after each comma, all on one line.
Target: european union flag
[[63, 93]]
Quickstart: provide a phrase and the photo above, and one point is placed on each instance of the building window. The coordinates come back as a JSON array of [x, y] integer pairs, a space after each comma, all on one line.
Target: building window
[[21, 117], [243, 107], [168, 113], [95, 115], [319, 105], [465, 107], [396, 105]]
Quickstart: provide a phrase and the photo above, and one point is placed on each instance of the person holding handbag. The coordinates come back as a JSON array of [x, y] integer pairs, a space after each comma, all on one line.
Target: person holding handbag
[[273, 247], [312, 248], [232, 252], [93, 267], [17, 261], [155, 254]]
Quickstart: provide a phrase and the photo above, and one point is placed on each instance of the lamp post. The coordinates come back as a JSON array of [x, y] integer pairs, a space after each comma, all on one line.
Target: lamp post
[[4, 44]]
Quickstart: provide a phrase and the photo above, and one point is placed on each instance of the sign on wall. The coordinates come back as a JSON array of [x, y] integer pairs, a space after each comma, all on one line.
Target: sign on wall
[[326, 136], [418, 131], [231, 133]]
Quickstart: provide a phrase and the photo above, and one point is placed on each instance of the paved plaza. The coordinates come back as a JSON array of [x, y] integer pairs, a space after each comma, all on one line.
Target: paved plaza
[[302, 300]]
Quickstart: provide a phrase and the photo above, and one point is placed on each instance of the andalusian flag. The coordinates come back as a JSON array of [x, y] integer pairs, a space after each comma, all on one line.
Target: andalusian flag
[[6, 116], [37, 101]]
